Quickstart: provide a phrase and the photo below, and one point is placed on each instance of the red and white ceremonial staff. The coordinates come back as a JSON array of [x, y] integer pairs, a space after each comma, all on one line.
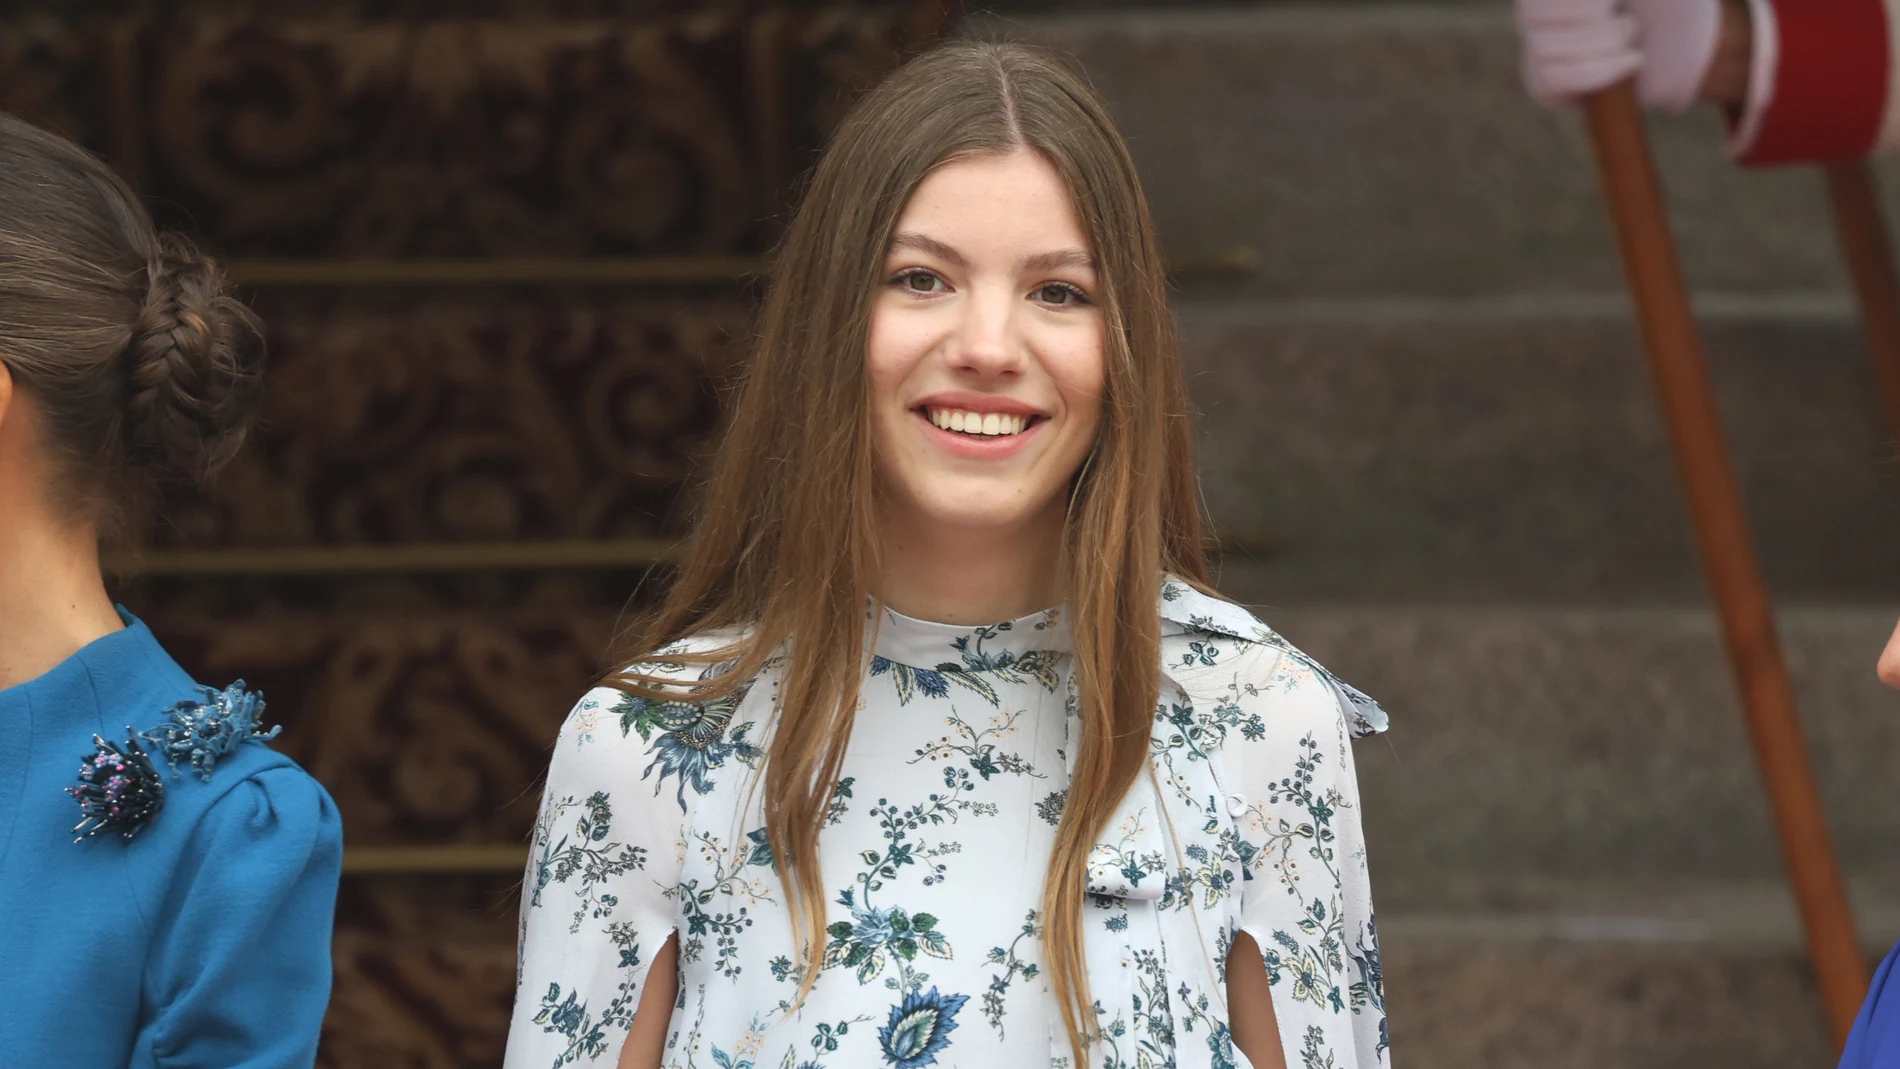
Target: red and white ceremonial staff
[[1585, 50]]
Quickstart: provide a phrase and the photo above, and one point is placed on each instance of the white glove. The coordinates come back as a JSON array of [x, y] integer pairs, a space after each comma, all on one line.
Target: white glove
[[1576, 47], [1678, 39]]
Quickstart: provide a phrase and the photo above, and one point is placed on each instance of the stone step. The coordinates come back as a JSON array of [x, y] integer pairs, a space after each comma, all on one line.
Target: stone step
[[1571, 857], [1593, 743], [1752, 914], [1511, 448], [1637, 973], [1477, 1005], [1390, 149]]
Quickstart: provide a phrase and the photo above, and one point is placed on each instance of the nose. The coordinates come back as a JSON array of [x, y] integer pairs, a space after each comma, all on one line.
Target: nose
[[1889, 666], [988, 339]]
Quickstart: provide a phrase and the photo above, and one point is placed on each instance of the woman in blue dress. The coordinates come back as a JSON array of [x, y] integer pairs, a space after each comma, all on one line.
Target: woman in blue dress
[[166, 881]]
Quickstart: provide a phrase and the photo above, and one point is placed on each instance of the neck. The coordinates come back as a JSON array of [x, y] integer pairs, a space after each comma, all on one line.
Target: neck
[[956, 576], [52, 594]]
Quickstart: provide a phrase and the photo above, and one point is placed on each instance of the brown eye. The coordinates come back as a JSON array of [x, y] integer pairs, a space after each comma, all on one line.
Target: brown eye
[[919, 281], [1060, 293]]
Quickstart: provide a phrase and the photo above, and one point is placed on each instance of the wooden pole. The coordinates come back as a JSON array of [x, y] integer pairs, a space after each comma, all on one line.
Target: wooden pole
[[1634, 200], [1863, 238]]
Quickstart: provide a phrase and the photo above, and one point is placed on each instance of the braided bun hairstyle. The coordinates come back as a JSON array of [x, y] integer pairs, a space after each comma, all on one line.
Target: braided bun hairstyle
[[193, 365], [139, 365]]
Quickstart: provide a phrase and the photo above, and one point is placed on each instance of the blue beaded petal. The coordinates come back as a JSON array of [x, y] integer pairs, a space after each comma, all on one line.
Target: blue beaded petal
[[203, 731]]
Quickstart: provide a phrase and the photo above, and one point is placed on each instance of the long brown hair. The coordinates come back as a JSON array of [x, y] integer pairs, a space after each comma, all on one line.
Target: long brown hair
[[785, 543]]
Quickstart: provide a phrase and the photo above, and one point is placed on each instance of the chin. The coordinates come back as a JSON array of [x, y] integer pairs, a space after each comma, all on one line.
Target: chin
[[977, 515], [977, 520]]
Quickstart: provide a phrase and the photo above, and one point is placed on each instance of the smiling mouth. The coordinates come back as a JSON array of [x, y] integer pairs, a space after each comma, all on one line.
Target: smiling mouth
[[979, 424]]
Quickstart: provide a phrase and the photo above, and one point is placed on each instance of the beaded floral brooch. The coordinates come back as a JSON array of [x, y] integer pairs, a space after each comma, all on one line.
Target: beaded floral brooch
[[120, 789]]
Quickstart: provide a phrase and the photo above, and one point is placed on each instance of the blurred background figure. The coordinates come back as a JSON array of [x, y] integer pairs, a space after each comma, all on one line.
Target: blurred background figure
[[1801, 82], [504, 251]]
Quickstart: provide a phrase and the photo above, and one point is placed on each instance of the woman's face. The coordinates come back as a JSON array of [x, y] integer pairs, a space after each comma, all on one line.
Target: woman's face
[[985, 349]]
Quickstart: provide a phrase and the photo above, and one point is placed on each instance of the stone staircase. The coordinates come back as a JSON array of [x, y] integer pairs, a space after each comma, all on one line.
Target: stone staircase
[[1431, 392]]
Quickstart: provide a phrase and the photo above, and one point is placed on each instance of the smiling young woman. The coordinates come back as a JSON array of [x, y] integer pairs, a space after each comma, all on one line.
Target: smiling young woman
[[940, 751]]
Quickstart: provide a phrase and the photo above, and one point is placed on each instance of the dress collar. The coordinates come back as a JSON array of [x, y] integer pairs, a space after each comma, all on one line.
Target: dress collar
[[1186, 613], [918, 643], [927, 644], [1184, 609], [116, 681], [88, 676]]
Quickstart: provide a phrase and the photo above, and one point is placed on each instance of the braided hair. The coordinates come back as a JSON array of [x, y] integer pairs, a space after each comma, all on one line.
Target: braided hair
[[139, 365]]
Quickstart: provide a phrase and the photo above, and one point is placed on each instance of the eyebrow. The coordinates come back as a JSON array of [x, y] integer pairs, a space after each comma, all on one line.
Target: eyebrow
[[1042, 261], [1060, 258]]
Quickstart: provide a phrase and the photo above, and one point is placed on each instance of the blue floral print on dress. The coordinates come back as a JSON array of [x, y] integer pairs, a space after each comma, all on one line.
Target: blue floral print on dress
[[933, 852], [689, 739], [920, 1028]]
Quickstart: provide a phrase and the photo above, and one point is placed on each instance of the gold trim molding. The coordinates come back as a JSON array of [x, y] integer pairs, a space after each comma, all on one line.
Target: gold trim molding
[[451, 860]]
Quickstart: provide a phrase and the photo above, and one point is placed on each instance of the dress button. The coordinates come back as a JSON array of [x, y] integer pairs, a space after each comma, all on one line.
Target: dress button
[[1236, 805]]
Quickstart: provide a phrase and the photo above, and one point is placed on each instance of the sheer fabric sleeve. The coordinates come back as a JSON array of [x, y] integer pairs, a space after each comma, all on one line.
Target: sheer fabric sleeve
[[1306, 897], [596, 900]]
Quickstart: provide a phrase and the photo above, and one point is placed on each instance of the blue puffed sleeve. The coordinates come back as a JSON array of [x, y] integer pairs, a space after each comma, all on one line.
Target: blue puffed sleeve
[[239, 970]]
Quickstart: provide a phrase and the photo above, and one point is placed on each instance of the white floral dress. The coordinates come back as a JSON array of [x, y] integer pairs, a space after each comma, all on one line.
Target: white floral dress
[[938, 837]]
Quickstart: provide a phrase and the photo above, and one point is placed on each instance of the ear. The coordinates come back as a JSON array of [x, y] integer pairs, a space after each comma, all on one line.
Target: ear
[[6, 393]]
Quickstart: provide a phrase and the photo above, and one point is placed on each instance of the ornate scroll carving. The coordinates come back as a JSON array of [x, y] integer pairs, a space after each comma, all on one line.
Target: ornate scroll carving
[[501, 417], [482, 137], [427, 708], [50, 76], [313, 131], [425, 973]]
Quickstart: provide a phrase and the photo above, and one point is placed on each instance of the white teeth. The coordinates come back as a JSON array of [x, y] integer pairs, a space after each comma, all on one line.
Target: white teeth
[[989, 424]]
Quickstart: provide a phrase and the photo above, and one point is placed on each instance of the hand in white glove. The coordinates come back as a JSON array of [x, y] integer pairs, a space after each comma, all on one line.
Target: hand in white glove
[[1576, 47], [1678, 39]]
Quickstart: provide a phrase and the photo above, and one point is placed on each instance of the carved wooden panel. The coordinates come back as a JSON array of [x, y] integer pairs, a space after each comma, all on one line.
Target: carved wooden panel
[[425, 974], [52, 72], [523, 135], [427, 706], [493, 416]]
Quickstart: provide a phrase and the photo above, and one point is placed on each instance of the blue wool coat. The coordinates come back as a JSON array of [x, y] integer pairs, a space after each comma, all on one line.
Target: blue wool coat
[[205, 940]]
